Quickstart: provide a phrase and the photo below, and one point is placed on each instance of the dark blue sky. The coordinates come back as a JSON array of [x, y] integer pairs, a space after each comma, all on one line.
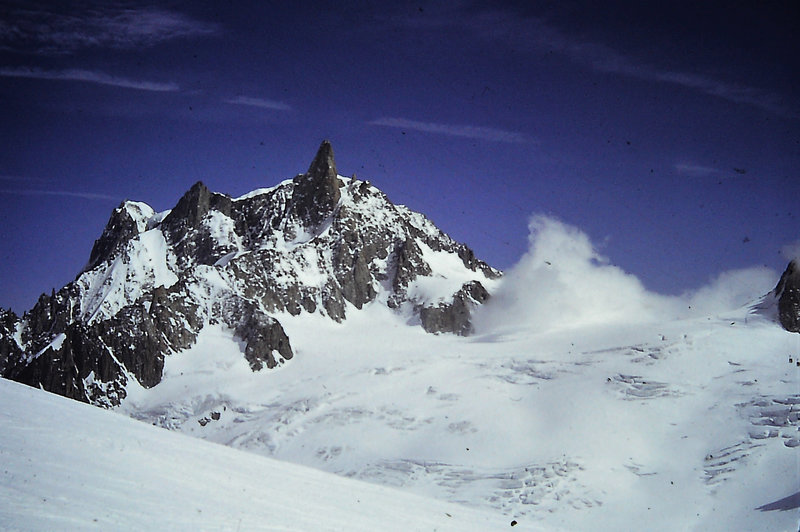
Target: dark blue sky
[[670, 135]]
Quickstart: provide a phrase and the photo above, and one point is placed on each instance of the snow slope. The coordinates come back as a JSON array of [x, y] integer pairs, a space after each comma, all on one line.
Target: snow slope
[[70, 466], [683, 425]]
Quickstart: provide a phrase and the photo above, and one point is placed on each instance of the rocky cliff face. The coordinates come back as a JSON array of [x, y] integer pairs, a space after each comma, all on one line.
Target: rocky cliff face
[[319, 243], [10, 352], [788, 294]]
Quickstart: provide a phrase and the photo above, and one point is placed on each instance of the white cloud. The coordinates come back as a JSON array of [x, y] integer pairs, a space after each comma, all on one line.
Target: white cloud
[[729, 290], [56, 31], [563, 282], [89, 76], [696, 170], [728, 91], [605, 59], [534, 34], [259, 102], [467, 131], [63, 193]]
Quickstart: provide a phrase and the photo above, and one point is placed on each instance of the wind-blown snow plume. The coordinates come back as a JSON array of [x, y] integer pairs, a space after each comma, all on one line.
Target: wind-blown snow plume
[[564, 282], [729, 290]]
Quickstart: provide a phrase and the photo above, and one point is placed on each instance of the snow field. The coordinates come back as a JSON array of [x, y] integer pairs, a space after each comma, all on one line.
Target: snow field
[[69, 466], [595, 427]]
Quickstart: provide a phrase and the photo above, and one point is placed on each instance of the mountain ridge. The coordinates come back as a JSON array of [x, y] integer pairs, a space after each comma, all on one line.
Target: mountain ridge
[[319, 243]]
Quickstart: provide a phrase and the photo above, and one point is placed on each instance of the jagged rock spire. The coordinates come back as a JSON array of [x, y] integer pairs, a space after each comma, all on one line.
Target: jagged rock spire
[[316, 193], [194, 205], [323, 166]]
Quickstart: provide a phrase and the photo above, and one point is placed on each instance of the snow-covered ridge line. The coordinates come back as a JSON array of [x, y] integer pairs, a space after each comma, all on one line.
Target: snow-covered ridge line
[[262, 191], [147, 264]]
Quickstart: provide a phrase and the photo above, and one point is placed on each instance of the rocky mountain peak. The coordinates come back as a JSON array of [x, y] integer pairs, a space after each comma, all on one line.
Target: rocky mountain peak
[[9, 349], [316, 244], [191, 207], [788, 293], [121, 227], [316, 193], [194, 206], [183, 226], [323, 166]]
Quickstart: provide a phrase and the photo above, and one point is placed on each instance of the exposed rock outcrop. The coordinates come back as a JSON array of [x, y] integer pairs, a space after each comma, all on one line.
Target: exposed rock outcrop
[[187, 229], [265, 338], [121, 227], [454, 316], [788, 293], [10, 351], [76, 364]]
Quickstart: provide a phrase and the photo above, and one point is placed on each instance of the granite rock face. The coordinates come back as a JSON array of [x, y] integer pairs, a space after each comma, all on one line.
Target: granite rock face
[[319, 243], [316, 193], [788, 293], [121, 227]]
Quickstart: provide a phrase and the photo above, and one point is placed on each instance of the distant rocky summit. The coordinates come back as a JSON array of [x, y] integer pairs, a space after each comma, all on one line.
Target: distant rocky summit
[[318, 243], [788, 294]]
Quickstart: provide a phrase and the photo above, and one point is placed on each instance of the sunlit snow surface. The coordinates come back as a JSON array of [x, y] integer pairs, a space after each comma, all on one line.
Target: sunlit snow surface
[[111, 286], [70, 466], [683, 425]]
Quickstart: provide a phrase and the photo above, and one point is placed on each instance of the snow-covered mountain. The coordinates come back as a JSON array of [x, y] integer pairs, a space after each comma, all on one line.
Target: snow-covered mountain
[[626, 414], [319, 243]]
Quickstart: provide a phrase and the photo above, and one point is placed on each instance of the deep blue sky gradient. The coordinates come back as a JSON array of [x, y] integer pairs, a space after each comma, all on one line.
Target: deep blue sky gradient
[[670, 136]]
